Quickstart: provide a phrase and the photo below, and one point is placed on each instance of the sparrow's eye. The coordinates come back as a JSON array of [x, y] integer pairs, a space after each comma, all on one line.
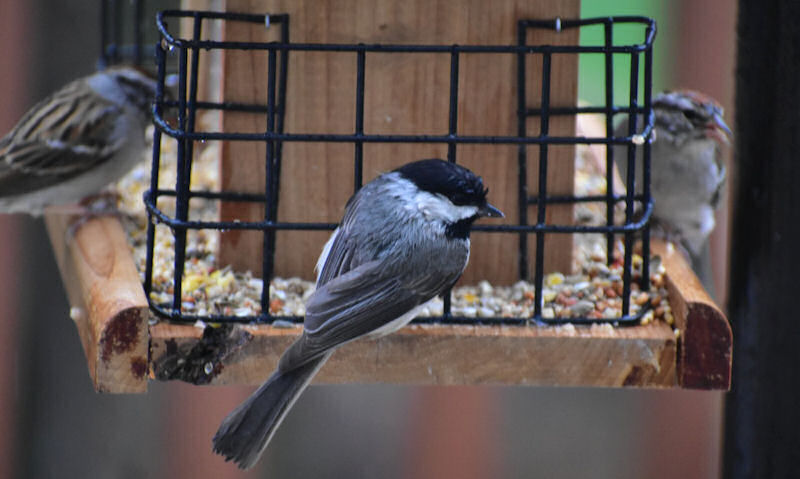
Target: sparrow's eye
[[693, 116]]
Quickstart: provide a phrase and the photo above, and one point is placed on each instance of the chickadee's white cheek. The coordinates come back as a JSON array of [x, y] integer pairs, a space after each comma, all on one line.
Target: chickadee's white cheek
[[437, 207]]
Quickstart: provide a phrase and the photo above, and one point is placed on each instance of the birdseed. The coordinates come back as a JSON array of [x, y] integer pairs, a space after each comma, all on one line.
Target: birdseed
[[208, 289]]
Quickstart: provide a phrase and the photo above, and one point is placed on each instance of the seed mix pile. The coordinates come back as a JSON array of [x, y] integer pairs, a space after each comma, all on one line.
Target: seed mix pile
[[208, 289]]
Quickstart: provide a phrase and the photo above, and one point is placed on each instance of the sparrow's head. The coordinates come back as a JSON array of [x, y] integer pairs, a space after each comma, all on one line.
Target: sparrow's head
[[449, 193], [691, 115], [134, 86]]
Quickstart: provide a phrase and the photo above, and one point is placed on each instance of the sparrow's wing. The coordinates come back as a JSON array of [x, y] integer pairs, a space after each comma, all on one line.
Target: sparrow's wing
[[719, 162], [357, 303], [59, 138]]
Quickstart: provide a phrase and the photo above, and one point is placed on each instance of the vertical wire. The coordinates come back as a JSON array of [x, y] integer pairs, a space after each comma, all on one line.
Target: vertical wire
[[281, 104], [358, 165], [193, 80], [541, 217], [522, 162], [138, 34], [609, 85], [268, 249], [630, 186], [182, 188], [103, 60], [453, 108], [154, 168], [452, 130], [116, 18], [186, 118], [648, 93]]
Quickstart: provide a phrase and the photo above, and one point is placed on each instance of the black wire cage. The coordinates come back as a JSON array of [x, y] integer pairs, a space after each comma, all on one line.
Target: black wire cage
[[128, 33], [172, 49]]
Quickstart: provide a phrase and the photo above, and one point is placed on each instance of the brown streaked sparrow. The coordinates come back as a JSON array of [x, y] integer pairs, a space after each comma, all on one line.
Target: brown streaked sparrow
[[76, 141], [687, 169]]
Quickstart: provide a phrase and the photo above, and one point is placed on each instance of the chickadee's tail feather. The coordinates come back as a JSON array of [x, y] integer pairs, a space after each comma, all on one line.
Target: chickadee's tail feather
[[245, 432]]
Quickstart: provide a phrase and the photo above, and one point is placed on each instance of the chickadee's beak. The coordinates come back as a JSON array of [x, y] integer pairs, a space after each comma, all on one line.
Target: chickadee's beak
[[490, 211], [719, 130]]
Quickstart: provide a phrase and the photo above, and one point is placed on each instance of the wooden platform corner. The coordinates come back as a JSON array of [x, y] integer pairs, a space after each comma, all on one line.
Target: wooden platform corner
[[123, 352]]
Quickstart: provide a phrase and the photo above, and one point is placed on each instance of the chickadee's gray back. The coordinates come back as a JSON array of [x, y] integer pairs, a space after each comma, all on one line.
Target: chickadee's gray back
[[404, 239], [384, 221]]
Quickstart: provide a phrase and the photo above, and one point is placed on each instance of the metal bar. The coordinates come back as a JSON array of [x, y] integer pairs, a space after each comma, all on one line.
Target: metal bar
[[193, 80], [529, 23], [282, 85], [264, 225], [358, 166], [270, 213], [397, 48], [452, 129], [630, 320], [155, 167], [648, 106], [630, 186], [572, 110], [116, 20], [257, 108], [522, 155], [541, 217], [181, 188], [102, 62], [609, 86], [555, 199], [349, 138], [138, 33], [186, 115]]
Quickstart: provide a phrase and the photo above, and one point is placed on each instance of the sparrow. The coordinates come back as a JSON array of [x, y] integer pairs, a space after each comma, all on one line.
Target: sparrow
[[403, 240], [687, 169], [76, 141]]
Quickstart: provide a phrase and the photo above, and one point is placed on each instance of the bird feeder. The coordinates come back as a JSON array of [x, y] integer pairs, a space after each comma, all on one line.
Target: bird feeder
[[314, 99]]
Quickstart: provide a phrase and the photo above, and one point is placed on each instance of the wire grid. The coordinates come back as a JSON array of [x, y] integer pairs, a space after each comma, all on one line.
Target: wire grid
[[187, 106], [128, 32]]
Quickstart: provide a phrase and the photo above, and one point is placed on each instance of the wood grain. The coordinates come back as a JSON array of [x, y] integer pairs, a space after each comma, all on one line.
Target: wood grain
[[437, 354], [108, 304], [706, 340], [405, 94], [101, 281]]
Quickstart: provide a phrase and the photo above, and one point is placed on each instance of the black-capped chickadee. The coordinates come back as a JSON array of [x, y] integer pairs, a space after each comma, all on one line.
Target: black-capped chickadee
[[76, 141], [403, 240]]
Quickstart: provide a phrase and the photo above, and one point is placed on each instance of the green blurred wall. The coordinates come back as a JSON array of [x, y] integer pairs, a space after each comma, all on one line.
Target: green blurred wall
[[591, 67]]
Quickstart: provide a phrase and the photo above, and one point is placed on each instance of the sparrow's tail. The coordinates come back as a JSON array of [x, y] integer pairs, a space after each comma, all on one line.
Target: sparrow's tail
[[244, 434]]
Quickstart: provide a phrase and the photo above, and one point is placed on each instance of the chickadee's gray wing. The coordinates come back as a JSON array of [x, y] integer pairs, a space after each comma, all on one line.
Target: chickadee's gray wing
[[339, 258], [357, 303], [59, 138]]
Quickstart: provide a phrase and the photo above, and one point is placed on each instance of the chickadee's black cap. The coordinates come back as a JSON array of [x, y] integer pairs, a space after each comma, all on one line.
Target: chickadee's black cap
[[458, 184]]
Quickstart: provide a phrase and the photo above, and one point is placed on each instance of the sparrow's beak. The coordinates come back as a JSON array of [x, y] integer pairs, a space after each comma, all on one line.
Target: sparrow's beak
[[719, 131], [490, 211]]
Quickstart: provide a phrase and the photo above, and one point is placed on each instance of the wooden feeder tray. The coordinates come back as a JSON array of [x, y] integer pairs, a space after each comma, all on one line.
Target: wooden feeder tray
[[124, 351]]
